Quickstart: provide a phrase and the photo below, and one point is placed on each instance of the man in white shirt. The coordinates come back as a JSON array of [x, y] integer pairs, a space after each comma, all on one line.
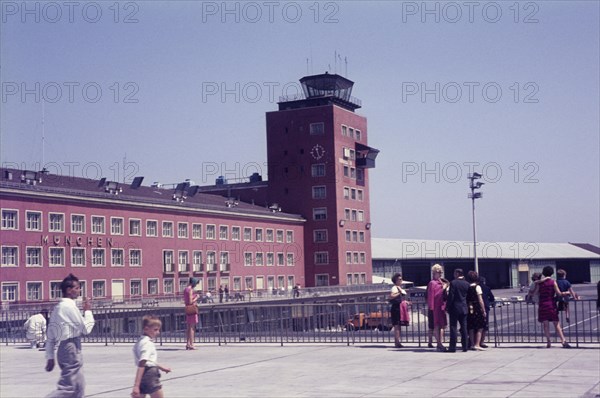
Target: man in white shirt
[[35, 329], [64, 329]]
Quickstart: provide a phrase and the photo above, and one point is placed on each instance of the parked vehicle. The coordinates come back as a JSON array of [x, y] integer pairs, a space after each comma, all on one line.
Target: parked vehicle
[[373, 320], [502, 301]]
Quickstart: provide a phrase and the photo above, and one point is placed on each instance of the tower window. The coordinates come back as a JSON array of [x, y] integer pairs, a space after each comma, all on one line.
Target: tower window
[[319, 192], [317, 128], [320, 214], [318, 170], [321, 258], [320, 235]]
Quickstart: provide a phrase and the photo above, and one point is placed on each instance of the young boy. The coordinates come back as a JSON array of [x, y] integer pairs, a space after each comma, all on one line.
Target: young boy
[[565, 286], [147, 375]]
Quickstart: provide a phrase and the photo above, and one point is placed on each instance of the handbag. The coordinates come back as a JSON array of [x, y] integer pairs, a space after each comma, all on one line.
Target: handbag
[[191, 309]]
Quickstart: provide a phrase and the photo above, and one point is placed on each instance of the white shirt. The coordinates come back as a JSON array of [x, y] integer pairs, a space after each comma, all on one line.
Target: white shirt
[[145, 350], [35, 326], [477, 289], [66, 322]]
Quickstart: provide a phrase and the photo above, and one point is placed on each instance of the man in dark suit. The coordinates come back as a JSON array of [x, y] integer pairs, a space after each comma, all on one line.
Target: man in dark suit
[[456, 305]]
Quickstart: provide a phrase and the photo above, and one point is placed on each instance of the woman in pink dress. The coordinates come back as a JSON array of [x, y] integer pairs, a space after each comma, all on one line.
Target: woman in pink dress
[[547, 311], [435, 303], [189, 297]]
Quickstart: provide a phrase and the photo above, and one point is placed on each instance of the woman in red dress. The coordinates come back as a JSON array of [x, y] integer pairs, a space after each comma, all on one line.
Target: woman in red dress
[[190, 297], [547, 311]]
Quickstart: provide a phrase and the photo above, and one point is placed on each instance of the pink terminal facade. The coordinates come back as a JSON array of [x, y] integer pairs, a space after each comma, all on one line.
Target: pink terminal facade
[[309, 224]]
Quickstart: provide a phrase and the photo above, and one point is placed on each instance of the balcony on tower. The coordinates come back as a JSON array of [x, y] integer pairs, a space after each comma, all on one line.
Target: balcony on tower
[[324, 89], [365, 156]]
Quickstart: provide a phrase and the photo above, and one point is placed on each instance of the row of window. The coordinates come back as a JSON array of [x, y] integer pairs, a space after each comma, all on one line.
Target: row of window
[[320, 214], [56, 223], [10, 290], [356, 279], [79, 257], [319, 170], [353, 193], [356, 258], [320, 192], [321, 236], [351, 132], [322, 258], [97, 258], [347, 131]]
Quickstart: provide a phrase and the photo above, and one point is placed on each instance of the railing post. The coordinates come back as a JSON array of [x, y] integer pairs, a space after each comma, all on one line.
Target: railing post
[[576, 328], [495, 328], [281, 323]]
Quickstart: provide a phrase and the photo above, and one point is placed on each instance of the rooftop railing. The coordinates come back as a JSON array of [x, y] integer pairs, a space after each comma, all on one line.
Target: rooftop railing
[[301, 96]]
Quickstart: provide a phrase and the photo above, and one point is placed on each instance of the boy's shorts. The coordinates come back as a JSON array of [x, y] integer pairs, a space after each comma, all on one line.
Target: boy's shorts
[[150, 380]]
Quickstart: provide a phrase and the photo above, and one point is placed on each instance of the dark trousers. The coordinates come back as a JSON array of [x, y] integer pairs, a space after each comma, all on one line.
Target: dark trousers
[[461, 319]]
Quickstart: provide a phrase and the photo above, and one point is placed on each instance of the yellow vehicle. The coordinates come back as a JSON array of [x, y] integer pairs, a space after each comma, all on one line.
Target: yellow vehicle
[[379, 320]]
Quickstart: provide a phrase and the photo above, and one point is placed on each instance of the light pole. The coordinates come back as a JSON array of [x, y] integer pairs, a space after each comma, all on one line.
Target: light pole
[[475, 195]]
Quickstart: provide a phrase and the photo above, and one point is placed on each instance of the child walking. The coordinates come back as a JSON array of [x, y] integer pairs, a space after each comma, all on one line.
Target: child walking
[[147, 375]]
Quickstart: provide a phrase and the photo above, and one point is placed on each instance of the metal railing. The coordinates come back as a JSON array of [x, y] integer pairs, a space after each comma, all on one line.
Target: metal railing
[[296, 322], [173, 299]]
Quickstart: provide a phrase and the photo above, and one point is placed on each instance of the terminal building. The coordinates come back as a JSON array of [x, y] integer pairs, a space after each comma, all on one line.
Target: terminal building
[[504, 264], [309, 224]]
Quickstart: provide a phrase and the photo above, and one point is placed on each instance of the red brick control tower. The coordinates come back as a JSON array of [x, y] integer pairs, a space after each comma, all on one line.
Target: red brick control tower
[[318, 167]]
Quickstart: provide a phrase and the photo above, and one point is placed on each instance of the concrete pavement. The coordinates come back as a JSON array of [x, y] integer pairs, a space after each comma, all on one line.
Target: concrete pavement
[[295, 370]]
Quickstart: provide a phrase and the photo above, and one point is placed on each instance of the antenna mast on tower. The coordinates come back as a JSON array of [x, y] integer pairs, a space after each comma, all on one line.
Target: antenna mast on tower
[[43, 135]]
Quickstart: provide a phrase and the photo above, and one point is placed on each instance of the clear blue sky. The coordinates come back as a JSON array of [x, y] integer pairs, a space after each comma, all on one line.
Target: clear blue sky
[[511, 88]]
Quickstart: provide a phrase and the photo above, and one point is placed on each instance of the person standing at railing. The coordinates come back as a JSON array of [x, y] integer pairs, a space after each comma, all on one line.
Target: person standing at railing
[[488, 301], [395, 299], [221, 292], [477, 312], [64, 329], [547, 311], [533, 296], [436, 318], [565, 287], [456, 305], [296, 290], [191, 320]]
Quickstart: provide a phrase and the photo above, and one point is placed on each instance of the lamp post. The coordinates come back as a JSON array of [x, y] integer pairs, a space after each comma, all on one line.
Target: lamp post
[[475, 195]]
